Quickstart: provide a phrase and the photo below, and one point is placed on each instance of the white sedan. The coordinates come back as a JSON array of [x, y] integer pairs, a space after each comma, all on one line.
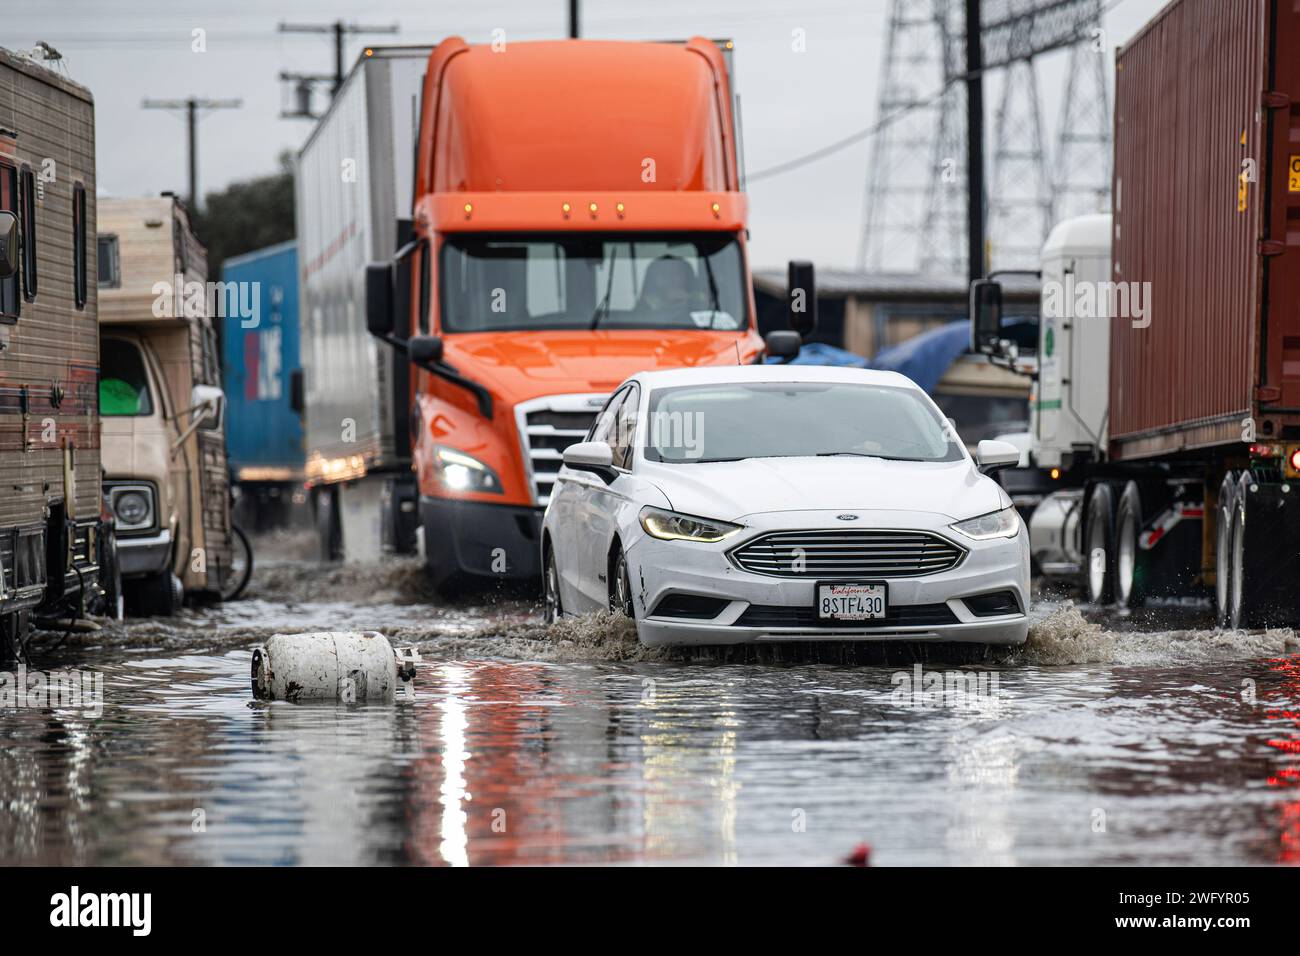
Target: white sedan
[[785, 503]]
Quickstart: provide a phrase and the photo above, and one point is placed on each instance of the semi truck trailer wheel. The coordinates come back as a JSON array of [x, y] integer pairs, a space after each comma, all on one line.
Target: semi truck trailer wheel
[[1130, 590], [1099, 545], [1223, 514]]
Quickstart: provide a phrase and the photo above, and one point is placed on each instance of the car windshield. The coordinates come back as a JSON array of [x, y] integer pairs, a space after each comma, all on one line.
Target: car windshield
[[123, 386], [582, 281], [731, 422]]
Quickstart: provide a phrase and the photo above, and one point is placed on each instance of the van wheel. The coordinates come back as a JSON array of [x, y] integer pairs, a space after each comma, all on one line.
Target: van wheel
[[1223, 560], [620, 587], [241, 565], [1129, 590], [1099, 539], [159, 595], [551, 588]]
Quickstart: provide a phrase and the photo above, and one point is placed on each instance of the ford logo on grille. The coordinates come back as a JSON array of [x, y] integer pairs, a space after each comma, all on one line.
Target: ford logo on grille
[[847, 517]]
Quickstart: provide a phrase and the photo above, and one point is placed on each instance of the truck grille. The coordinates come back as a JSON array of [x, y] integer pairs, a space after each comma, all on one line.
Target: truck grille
[[848, 554], [549, 425]]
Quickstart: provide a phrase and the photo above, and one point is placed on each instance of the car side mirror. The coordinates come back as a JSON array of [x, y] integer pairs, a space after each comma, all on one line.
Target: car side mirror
[[801, 297], [208, 403], [8, 244], [593, 456], [783, 344], [985, 315], [992, 456], [379, 299], [424, 350]]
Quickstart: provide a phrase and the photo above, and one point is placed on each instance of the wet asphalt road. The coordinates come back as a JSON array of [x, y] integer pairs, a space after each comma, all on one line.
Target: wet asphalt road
[[1148, 740]]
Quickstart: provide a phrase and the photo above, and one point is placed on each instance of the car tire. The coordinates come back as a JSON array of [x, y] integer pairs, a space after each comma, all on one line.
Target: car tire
[[110, 578], [159, 595], [620, 586], [1129, 576], [1227, 504], [553, 609], [1099, 545]]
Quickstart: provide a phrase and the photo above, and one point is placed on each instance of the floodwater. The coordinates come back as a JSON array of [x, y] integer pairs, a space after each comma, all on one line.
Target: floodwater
[[1119, 742]]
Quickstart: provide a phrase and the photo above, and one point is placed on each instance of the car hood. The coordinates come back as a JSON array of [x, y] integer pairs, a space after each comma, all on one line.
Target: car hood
[[731, 490]]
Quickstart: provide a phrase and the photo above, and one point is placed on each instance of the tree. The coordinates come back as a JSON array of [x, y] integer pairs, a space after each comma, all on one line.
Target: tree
[[246, 216]]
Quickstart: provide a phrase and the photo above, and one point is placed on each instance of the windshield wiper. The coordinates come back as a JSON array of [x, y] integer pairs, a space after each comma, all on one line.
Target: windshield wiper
[[863, 454], [602, 310]]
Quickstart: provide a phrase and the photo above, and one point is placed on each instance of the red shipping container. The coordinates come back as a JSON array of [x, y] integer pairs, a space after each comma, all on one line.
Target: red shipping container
[[1207, 211]]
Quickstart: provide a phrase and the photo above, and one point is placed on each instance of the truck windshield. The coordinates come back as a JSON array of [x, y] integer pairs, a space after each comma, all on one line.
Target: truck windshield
[[735, 421], [123, 386], [493, 283]]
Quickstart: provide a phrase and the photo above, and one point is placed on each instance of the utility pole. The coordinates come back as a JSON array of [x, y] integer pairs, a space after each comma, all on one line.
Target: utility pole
[[974, 142], [339, 30], [574, 31], [191, 107]]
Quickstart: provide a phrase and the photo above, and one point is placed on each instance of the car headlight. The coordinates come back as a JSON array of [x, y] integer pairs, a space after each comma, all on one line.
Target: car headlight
[[996, 524], [133, 509], [461, 472], [672, 526]]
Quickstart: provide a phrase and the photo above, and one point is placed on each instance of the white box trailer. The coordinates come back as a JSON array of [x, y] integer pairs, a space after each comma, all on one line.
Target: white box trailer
[[354, 185]]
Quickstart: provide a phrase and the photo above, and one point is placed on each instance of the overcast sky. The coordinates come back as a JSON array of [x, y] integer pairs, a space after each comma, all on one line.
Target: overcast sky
[[126, 50]]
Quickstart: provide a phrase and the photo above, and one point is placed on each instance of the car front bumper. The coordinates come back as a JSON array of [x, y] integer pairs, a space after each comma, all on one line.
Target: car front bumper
[[768, 608]]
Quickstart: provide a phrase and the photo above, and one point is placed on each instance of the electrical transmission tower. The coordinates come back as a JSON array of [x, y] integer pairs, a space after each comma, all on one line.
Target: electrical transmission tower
[[914, 219], [901, 177], [1083, 148]]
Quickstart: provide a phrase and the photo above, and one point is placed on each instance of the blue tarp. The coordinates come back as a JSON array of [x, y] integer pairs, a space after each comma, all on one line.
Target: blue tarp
[[923, 358]]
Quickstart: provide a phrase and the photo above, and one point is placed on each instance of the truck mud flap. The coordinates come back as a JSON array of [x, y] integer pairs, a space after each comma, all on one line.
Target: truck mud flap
[[1271, 583]]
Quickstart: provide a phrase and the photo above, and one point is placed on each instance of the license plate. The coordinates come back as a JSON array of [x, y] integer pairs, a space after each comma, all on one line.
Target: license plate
[[851, 602]]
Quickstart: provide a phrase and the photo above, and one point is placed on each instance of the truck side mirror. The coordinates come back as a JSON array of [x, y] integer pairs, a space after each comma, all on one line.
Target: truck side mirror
[[783, 344], [985, 315], [801, 296], [209, 404], [424, 350], [8, 244], [297, 393], [379, 299]]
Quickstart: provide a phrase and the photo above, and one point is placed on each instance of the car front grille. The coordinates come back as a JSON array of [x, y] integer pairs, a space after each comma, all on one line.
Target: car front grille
[[848, 554], [905, 615], [549, 425]]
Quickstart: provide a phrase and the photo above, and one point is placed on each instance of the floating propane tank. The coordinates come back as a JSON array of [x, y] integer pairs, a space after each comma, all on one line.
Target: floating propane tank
[[346, 666]]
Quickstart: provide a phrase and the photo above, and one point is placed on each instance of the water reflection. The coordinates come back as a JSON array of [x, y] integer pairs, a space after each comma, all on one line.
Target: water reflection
[[501, 762]]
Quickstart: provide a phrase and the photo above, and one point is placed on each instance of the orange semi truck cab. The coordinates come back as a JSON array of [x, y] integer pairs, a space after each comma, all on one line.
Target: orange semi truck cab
[[577, 217]]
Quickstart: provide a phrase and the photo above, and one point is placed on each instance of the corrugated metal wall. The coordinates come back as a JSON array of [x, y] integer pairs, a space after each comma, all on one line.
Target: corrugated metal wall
[[1187, 115]]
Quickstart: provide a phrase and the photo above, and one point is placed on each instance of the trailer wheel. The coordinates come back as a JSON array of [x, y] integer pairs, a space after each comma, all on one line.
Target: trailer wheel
[[1099, 540], [1129, 572], [1237, 616], [1226, 507]]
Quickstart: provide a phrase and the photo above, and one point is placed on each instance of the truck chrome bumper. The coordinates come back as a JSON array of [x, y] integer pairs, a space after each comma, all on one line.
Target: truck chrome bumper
[[143, 556]]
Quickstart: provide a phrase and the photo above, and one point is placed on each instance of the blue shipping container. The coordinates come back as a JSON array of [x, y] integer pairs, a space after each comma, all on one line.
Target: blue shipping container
[[263, 433]]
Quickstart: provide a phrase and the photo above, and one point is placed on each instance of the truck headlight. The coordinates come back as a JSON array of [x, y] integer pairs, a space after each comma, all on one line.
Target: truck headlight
[[132, 507], [996, 524], [673, 526], [461, 472]]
